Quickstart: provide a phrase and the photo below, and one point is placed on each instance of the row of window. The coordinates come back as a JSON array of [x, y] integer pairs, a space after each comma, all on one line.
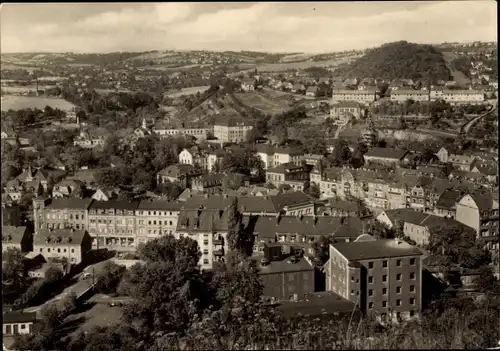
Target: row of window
[[384, 290], [111, 221], [58, 250], [398, 263], [65, 216], [398, 277], [398, 303]]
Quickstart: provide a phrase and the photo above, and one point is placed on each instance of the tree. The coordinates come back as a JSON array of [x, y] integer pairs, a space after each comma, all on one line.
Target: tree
[[321, 249], [109, 278], [341, 153], [13, 265], [314, 191], [53, 275]]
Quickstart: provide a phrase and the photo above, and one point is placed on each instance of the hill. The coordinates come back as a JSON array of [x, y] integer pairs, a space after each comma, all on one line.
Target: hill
[[399, 60]]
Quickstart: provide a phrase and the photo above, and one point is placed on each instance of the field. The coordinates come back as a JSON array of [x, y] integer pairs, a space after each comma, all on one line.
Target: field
[[458, 76], [23, 102], [264, 102], [187, 91], [270, 67], [20, 89], [109, 91], [99, 314]]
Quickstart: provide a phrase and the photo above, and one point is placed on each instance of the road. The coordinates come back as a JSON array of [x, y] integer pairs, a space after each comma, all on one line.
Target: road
[[467, 126]]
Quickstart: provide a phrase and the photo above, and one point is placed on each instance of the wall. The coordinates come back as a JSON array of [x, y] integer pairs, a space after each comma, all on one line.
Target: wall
[[284, 285]]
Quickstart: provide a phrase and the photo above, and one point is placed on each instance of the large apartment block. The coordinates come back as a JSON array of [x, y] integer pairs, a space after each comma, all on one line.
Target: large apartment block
[[383, 277]]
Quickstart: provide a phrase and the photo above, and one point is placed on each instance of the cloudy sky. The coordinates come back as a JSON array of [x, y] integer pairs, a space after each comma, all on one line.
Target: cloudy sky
[[274, 27]]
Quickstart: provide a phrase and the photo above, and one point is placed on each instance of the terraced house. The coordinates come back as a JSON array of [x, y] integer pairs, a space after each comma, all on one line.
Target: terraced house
[[63, 213], [156, 218]]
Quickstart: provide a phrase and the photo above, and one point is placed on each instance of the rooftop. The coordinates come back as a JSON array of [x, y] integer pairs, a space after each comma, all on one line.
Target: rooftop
[[70, 203], [385, 248], [162, 205], [63, 237], [285, 266], [115, 204], [390, 153], [18, 317], [12, 235]]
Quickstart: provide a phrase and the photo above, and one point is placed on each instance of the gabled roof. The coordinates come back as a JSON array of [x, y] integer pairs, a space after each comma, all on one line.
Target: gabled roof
[[448, 199], [384, 248], [14, 317], [13, 235], [162, 205], [203, 221], [285, 266], [285, 167], [70, 203], [178, 170], [483, 199], [115, 205], [390, 153]]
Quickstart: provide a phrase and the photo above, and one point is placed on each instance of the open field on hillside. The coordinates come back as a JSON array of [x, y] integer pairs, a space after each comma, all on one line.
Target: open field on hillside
[[168, 68], [109, 91], [187, 91], [265, 102], [22, 102], [22, 88], [458, 76]]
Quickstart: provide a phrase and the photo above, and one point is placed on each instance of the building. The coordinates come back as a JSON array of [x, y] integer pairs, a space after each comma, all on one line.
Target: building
[[312, 91], [67, 188], [248, 84], [480, 211], [402, 95], [462, 162], [72, 245], [231, 129], [457, 97], [344, 108], [194, 157], [209, 229], [200, 133], [17, 238], [156, 218], [383, 277], [214, 158], [274, 156], [385, 155], [112, 224], [342, 208], [63, 213], [208, 183], [11, 214], [365, 96], [313, 159], [289, 279], [290, 174], [91, 138], [18, 323], [179, 173]]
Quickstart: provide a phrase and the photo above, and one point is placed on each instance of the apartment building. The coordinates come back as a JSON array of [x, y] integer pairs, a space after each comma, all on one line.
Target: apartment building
[[364, 96], [63, 213], [273, 156], [342, 109], [383, 277], [231, 129], [214, 158], [480, 211], [72, 245], [17, 238], [290, 174], [192, 157], [457, 97], [209, 229], [112, 224], [18, 323], [155, 218], [199, 132], [402, 95], [179, 173], [385, 155]]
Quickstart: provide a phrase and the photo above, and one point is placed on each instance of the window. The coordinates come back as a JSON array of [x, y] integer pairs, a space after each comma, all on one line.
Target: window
[[205, 251], [72, 250], [58, 250], [384, 264], [412, 301], [398, 263], [41, 250], [23, 326], [384, 303], [398, 302], [384, 291], [352, 292], [205, 261], [412, 275], [48, 250], [370, 265], [352, 279], [412, 313], [384, 278], [412, 261], [370, 305], [205, 242], [412, 288], [370, 292], [64, 250], [370, 280], [398, 290], [398, 276]]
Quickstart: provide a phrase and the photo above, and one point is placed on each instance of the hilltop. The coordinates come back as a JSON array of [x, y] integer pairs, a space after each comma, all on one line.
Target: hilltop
[[400, 60]]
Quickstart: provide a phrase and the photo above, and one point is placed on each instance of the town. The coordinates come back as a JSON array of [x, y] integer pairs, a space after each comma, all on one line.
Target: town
[[330, 200]]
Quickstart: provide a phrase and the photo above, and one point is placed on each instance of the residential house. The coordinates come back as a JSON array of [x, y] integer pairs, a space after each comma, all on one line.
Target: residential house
[[480, 211], [275, 156], [72, 245], [345, 108], [231, 129], [289, 279], [194, 156], [209, 228], [11, 214], [248, 84], [313, 160], [214, 158], [179, 173], [487, 169], [298, 88], [102, 194], [17, 238], [342, 208], [15, 189], [462, 162], [112, 224], [208, 183], [312, 91], [18, 323], [30, 178], [446, 205], [385, 155], [91, 138], [67, 188], [402, 95], [290, 174], [457, 97], [62, 213], [384, 277], [86, 176], [156, 218]]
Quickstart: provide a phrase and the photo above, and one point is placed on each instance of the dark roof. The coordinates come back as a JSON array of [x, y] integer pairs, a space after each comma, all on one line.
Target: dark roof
[[291, 199], [316, 304], [115, 204], [66, 236], [12, 234], [18, 317], [346, 104], [285, 167], [350, 206], [70, 203], [285, 266], [448, 199], [405, 215], [384, 248], [229, 121], [382, 152], [178, 170], [483, 199], [162, 205], [85, 175], [203, 221]]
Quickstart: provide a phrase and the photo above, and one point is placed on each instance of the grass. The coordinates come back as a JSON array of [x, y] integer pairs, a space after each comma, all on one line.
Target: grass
[[95, 315], [23, 102], [187, 91], [458, 76], [263, 102]]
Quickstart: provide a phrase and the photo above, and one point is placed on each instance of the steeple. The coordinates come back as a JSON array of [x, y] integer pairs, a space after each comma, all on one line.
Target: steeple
[[144, 125]]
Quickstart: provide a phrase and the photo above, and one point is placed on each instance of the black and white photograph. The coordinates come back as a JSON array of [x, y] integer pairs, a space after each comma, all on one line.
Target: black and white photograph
[[250, 175]]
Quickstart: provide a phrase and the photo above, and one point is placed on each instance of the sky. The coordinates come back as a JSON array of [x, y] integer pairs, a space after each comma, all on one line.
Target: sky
[[254, 26]]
